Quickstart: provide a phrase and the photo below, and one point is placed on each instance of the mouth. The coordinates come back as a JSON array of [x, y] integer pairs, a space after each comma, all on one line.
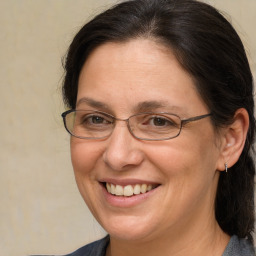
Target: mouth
[[128, 190]]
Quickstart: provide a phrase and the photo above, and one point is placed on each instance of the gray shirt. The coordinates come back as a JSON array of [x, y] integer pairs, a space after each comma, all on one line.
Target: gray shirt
[[235, 247], [239, 247]]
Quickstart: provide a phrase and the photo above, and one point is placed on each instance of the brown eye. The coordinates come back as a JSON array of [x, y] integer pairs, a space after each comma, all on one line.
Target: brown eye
[[157, 121], [97, 119]]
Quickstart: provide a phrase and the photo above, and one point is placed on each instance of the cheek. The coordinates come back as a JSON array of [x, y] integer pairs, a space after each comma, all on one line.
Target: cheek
[[84, 156], [193, 157]]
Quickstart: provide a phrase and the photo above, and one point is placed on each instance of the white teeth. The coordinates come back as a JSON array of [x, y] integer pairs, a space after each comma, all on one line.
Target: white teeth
[[113, 189], [136, 189], [143, 188], [149, 187], [119, 190], [108, 188], [128, 190]]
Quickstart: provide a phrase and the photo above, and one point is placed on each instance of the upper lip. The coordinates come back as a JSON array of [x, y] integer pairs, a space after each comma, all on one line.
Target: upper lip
[[125, 182]]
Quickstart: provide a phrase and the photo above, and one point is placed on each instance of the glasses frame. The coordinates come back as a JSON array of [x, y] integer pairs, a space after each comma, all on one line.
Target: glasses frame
[[183, 122]]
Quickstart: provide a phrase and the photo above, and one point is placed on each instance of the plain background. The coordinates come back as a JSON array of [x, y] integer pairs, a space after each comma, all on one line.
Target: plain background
[[41, 210]]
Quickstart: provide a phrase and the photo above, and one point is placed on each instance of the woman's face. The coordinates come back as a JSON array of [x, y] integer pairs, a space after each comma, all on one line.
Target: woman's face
[[124, 79]]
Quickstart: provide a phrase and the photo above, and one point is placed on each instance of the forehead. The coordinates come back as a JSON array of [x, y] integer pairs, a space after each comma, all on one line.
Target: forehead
[[143, 52], [135, 71]]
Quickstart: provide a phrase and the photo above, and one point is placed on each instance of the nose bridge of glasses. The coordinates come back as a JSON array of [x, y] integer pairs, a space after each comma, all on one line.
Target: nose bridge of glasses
[[121, 123], [124, 121]]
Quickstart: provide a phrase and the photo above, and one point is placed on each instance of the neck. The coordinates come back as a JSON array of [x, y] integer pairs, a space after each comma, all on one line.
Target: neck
[[208, 240]]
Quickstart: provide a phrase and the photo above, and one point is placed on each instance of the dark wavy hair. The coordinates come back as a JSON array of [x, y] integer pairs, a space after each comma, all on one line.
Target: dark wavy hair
[[210, 50]]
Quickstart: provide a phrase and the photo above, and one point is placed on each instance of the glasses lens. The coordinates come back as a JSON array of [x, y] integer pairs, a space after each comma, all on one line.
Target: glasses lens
[[88, 124], [155, 126]]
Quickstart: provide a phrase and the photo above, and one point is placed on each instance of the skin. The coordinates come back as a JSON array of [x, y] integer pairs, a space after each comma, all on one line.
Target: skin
[[179, 216]]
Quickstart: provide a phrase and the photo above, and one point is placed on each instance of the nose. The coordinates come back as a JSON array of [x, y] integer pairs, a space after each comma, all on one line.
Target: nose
[[122, 151]]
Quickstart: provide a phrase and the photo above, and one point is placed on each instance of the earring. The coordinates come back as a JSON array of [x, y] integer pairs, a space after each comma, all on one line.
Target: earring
[[226, 167]]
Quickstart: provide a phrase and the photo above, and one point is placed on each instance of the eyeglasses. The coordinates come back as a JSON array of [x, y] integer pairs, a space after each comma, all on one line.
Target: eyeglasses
[[87, 124]]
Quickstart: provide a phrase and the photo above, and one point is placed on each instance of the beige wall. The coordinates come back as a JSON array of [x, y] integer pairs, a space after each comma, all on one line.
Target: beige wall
[[41, 210]]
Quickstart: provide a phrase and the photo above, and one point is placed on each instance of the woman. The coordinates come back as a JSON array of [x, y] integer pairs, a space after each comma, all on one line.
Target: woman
[[162, 126]]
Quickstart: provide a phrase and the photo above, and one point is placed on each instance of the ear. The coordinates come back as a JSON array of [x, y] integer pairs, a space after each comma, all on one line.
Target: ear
[[233, 138]]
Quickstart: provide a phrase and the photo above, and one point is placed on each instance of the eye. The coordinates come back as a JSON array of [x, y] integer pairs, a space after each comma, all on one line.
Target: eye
[[159, 121], [95, 119]]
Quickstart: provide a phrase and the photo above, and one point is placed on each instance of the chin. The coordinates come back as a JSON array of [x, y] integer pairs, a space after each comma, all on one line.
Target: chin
[[132, 228]]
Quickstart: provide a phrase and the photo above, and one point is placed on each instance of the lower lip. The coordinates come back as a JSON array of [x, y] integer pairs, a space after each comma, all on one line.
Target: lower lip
[[124, 201]]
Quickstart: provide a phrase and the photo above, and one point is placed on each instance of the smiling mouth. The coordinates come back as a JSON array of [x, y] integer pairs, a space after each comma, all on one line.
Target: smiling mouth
[[129, 190]]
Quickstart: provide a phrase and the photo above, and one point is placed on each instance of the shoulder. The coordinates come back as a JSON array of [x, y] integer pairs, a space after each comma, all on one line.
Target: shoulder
[[97, 248], [239, 247]]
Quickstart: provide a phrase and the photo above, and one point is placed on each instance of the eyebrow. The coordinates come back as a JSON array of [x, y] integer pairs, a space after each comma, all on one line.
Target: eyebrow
[[144, 106], [92, 103], [150, 105]]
